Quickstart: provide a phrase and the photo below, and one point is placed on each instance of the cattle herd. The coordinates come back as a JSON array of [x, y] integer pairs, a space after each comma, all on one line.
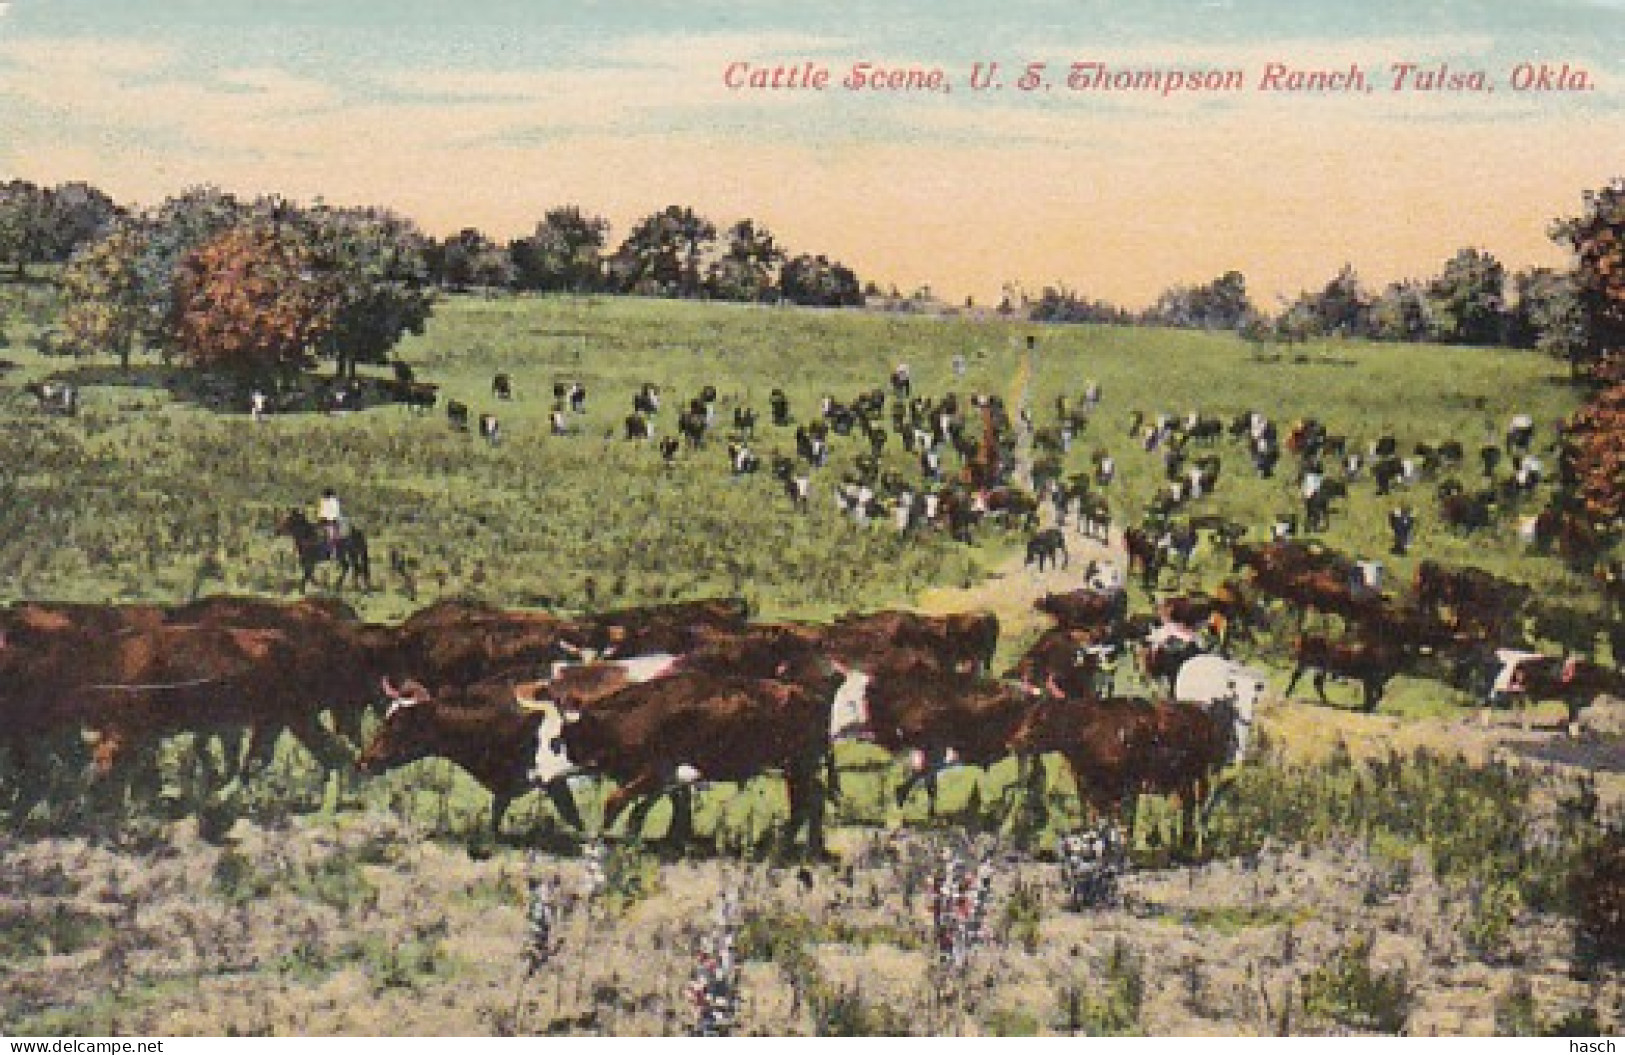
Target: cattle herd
[[654, 699]]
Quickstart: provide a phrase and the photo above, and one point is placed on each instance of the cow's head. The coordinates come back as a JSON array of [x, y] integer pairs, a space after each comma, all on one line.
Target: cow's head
[[408, 731]]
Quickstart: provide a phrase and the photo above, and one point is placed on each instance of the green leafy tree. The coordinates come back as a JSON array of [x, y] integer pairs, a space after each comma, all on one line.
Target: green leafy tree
[[1597, 237], [1401, 312], [370, 265], [566, 252], [75, 214], [1219, 305], [169, 233], [749, 265], [470, 259], [820, 282], [1548, 316], [1340, 309], [1467, 299], [664, 254], [23, 219], [102, 295]]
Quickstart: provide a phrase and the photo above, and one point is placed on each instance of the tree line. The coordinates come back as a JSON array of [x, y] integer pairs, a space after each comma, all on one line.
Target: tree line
[[267, 285], [1473, 300], [344, 284], [675, 252]]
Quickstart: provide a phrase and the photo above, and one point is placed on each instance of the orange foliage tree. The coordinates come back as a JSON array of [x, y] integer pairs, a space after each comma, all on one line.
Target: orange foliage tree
[[1594, 454], [249, 300]]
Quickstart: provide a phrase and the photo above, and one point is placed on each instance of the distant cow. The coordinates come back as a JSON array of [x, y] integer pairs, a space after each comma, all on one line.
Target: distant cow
[[502, 386], [1047, 545], [490, 429], [457, 415], [55, 397]]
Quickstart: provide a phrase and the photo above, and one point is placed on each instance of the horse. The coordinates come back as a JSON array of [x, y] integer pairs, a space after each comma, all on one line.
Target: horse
[[312, 547]]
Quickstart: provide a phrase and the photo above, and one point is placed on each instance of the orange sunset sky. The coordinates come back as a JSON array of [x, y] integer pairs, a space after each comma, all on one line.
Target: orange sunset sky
[[488, 113]]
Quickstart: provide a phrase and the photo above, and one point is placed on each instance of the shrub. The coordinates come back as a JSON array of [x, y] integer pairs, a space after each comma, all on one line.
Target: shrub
[[1349, 990], [1598, 888]]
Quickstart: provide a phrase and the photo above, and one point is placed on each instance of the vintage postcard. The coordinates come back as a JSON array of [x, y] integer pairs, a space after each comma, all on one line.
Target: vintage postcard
[[766, 519]]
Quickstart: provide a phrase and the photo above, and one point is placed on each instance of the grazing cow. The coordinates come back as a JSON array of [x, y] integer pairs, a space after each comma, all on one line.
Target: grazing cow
[[490, 429], [1463, 512], [480, 728], [690, 727], [779, 406], [502, 386], [1045, 546], [1120, 748], [1144, 553], [668, 449], [637, 427], [54, 397], [1373, 663], [418, 397], [457, 415]]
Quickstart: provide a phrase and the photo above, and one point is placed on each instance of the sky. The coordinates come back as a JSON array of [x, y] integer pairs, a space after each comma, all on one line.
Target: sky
[[486, 113]]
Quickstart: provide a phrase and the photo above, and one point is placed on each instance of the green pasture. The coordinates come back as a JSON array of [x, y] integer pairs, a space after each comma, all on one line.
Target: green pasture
[[152, 493], [150, 489]]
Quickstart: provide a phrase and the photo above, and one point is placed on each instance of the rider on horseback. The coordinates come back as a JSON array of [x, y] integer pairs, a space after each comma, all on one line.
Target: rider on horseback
[[331, 520]]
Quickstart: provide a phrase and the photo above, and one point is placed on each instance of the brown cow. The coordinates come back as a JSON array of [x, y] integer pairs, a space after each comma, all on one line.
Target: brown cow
[[320, 660], [1574, 680], [481, 728], [1084, 609], [144, 683], [1373, 663], [962, 642], [1062, 662], [1120, 748], [660, 735], [1474, 597], [674, 628], [461, 642], [938, 718]]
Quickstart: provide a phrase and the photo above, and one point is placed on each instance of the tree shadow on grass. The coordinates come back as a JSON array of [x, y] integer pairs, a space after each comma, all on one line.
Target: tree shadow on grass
[[302, 393]]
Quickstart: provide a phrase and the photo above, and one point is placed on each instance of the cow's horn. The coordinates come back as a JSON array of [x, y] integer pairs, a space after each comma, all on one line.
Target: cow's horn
[[389, 689]]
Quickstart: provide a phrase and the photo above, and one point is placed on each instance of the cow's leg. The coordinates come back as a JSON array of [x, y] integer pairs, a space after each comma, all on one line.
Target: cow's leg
[[564, 803], [639, 787], [681, 831], [1320, 686], [500, 801], [330, 751], [1292, 683]]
